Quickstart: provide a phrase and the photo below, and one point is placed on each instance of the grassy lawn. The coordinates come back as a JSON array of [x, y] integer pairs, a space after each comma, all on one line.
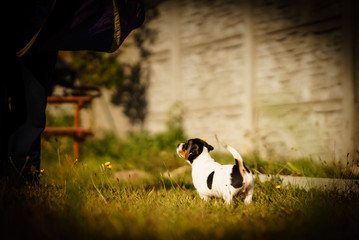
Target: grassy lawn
[[84, 200]]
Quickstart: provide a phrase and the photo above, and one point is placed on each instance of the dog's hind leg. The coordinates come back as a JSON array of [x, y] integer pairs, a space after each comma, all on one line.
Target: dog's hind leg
[[248, 194]]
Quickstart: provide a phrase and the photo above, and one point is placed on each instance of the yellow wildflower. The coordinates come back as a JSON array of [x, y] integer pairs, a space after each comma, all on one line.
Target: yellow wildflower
[[109, 167], [107, 163], [41, 172], [277, 187]]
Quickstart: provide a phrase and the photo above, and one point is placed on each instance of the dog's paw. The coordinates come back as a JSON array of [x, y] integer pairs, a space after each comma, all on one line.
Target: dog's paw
[[204, 197]]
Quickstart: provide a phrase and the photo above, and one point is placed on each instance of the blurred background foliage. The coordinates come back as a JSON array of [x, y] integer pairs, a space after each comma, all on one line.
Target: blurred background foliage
[[98, 69]]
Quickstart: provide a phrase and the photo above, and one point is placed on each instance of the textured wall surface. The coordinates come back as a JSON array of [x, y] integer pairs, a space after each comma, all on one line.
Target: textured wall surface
[[274, 76], [298, 79]]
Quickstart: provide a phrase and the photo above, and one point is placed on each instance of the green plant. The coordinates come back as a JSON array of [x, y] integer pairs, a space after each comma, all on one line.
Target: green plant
[[80, 200], [98, 69], [141, 150], [60, 120]]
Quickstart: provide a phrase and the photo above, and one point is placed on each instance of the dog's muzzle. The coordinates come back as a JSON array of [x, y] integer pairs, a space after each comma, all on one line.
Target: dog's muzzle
[[180, 151]]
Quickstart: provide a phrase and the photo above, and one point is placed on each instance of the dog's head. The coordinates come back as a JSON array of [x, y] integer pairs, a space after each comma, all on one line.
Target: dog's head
[[192, 148]]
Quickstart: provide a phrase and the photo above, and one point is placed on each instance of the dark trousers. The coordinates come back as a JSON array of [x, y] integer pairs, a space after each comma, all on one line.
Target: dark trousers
[[23, 104]]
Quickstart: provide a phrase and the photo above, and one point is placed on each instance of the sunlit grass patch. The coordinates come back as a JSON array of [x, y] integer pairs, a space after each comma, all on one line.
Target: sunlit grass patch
[[86, 198], [86, 201]]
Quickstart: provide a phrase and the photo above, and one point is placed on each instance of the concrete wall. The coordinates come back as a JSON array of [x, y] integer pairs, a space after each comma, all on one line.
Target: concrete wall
[[278, 77]]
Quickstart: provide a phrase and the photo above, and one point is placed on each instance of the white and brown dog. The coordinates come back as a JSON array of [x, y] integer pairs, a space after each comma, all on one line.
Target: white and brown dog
[[212, 179]]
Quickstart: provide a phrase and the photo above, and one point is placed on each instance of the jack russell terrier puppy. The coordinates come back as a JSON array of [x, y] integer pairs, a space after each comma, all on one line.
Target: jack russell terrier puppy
[[212, 179]]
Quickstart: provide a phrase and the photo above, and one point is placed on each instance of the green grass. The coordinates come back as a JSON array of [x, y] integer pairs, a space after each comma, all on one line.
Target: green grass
[[83, 200]]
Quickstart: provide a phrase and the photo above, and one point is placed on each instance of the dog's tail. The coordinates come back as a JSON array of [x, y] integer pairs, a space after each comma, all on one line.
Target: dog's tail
[[239, 160], [237, 157]]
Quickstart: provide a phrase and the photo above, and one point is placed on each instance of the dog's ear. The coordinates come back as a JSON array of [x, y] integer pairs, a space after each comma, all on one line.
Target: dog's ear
[[192, 152], [209, 147], [194, 149]]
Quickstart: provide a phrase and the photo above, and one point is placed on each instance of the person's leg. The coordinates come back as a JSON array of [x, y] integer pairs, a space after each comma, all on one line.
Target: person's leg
[[28, 103]]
